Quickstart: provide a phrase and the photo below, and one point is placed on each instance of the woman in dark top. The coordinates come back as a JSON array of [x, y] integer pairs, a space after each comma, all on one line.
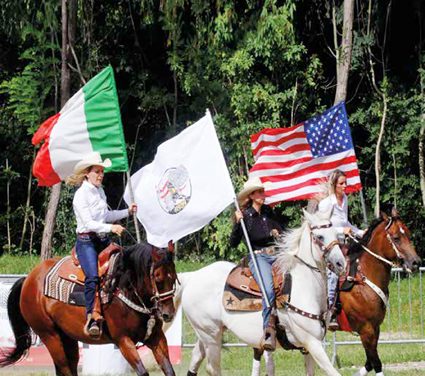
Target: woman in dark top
[[262, 230]]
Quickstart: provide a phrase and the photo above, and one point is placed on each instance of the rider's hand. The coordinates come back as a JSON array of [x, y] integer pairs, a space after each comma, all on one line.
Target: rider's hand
[[132, 209], [238, 215], [274, 233], [348, 231], [117, 229]]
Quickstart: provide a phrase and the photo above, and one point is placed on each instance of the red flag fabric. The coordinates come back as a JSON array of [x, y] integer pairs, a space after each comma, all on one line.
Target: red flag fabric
[[295, 160], [42, 168]]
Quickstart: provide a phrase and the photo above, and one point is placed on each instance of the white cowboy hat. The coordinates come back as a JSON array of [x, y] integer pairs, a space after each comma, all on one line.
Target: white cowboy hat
[[251, 185], [92, 159]]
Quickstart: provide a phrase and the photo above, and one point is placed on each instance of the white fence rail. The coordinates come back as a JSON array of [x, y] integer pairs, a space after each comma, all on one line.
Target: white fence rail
[[404, 322]]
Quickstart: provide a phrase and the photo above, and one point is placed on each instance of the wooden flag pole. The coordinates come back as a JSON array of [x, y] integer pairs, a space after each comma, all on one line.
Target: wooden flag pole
[[136, 222]]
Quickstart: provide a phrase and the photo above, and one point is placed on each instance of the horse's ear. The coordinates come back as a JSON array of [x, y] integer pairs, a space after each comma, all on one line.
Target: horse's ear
[[394, 212], [171, 246], [384, 215], [308, 216], [155, 255]]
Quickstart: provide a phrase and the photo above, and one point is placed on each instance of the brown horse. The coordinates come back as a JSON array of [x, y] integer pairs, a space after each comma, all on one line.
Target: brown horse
[[141, 287], [385, 244]]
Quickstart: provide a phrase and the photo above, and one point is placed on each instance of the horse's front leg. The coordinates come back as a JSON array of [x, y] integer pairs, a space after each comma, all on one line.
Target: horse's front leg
[[159, 348], [129, 351], [369, 337]]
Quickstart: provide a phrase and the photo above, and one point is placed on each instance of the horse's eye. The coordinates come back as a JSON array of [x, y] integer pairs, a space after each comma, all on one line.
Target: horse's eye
[[397, 239], [320, 238]]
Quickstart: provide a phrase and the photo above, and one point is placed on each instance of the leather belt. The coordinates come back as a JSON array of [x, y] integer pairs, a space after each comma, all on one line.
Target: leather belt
[[98, 234], [271, 251]]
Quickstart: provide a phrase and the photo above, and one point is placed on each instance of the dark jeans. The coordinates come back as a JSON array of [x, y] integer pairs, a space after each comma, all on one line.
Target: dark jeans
[[88, 247], [265, 266]]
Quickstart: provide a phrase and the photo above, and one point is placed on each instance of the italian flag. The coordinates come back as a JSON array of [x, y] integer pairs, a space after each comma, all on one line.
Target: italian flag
[[89, 121]]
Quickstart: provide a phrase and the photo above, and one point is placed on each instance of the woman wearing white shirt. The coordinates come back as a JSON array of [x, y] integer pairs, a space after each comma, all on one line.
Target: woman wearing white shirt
[[93, 224], [337, 200]]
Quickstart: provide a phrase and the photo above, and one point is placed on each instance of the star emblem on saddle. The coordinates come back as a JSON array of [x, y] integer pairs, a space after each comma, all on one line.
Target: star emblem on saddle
[[229, 301]]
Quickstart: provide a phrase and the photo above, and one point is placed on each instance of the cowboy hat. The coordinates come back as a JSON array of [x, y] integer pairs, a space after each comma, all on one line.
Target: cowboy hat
[[92, 159], [251, 185]]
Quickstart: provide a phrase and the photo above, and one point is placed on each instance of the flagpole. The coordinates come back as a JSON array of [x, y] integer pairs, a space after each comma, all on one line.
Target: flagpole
[[254, 260], [248, 242], [136, 223], [363, 207]]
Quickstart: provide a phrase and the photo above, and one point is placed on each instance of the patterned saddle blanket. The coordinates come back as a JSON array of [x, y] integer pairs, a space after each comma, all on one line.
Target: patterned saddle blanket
[[242, 293], [63, 282]]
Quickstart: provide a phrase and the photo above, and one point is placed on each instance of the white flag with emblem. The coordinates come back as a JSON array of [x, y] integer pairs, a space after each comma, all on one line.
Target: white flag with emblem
[[185, 187]]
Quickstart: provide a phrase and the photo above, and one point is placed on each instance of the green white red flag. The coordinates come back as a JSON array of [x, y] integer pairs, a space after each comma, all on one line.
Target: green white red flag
[[89, 121]]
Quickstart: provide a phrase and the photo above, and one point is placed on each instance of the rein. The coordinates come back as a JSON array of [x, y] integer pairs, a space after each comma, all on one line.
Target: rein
[[325, 250], [367, 281], [159, 297], [390, 240]]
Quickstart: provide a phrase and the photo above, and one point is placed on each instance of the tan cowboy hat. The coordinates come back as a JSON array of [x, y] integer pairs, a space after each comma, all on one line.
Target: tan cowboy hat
[[92, 159], [251, 185]]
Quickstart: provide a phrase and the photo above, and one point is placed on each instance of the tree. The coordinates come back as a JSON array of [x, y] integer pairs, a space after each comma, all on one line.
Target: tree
[[69, 20]]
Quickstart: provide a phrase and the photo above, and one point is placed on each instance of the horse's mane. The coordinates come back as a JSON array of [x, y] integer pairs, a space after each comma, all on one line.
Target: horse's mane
[[288, 246], [131, 267], [356, 248]]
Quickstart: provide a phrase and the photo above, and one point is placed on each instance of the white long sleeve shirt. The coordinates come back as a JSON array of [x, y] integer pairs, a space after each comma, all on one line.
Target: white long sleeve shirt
[[91, 210], [339, 217]]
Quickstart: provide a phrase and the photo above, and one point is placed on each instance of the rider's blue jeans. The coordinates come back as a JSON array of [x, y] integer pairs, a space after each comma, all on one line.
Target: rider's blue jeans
[[88, 247], [332, 285], [265, 262]]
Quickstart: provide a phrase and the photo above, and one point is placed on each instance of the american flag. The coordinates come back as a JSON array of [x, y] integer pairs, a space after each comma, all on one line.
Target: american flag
[[295, 160]]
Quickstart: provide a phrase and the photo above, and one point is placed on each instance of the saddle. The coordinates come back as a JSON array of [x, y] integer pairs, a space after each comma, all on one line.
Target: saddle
[[71, 270], [242, 293]]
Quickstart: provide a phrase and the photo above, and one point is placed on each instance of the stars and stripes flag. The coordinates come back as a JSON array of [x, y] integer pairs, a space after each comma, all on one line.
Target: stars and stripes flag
[[295, 160]]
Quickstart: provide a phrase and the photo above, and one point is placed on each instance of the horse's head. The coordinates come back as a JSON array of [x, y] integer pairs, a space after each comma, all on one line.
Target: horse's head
[[324, 236], [163, 277], [395, 245]]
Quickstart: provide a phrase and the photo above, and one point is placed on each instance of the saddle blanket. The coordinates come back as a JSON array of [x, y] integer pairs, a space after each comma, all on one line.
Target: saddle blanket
[[67, 291], [241, 292]]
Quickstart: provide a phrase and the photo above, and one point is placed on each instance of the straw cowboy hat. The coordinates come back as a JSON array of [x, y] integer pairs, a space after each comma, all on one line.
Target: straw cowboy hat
[[251, 185], [92, 159]]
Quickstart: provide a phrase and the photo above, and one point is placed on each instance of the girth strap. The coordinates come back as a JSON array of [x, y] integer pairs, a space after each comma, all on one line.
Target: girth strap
[[321, 317]]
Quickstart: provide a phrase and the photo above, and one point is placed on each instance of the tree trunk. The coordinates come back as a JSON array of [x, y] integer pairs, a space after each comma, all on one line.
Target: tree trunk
[[344, 52], [27, 206], [68, 36], [378, 156]]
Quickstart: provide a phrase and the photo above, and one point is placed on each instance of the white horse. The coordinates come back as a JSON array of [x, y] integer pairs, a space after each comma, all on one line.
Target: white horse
[[304, 252]]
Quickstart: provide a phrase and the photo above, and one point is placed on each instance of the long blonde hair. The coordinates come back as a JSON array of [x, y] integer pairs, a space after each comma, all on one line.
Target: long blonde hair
[[78, 178], [333, 180]]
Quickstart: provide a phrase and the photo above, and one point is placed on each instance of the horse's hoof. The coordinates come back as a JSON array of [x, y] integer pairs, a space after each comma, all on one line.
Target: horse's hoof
[[189, 373]]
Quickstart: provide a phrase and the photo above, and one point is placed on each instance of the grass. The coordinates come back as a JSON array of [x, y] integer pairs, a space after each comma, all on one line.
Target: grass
[[404, 320]]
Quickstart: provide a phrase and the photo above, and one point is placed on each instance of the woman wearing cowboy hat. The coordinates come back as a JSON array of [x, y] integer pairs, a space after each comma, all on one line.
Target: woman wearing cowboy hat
[[93, 224], [262, 230]]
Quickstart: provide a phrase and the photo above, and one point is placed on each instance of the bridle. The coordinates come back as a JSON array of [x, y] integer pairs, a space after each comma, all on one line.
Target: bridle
[[399, 256], [157, 296], [324, 249]]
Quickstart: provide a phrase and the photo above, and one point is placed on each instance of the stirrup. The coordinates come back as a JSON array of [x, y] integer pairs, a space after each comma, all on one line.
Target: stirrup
[[269, 339], [93, 328]]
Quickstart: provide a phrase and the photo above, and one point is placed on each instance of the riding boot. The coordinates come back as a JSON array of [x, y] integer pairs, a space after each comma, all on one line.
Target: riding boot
[[97, 308], [93, 327], [333, 322], [269, 340]]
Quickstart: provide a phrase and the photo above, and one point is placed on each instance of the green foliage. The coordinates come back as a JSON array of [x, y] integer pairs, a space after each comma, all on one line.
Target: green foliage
[[253, 64]]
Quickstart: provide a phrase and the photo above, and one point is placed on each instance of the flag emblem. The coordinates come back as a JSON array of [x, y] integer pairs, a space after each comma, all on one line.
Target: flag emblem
[[174, 189]]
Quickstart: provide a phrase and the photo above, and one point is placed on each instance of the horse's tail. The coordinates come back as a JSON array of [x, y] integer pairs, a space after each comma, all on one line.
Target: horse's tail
[[20, 327]]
